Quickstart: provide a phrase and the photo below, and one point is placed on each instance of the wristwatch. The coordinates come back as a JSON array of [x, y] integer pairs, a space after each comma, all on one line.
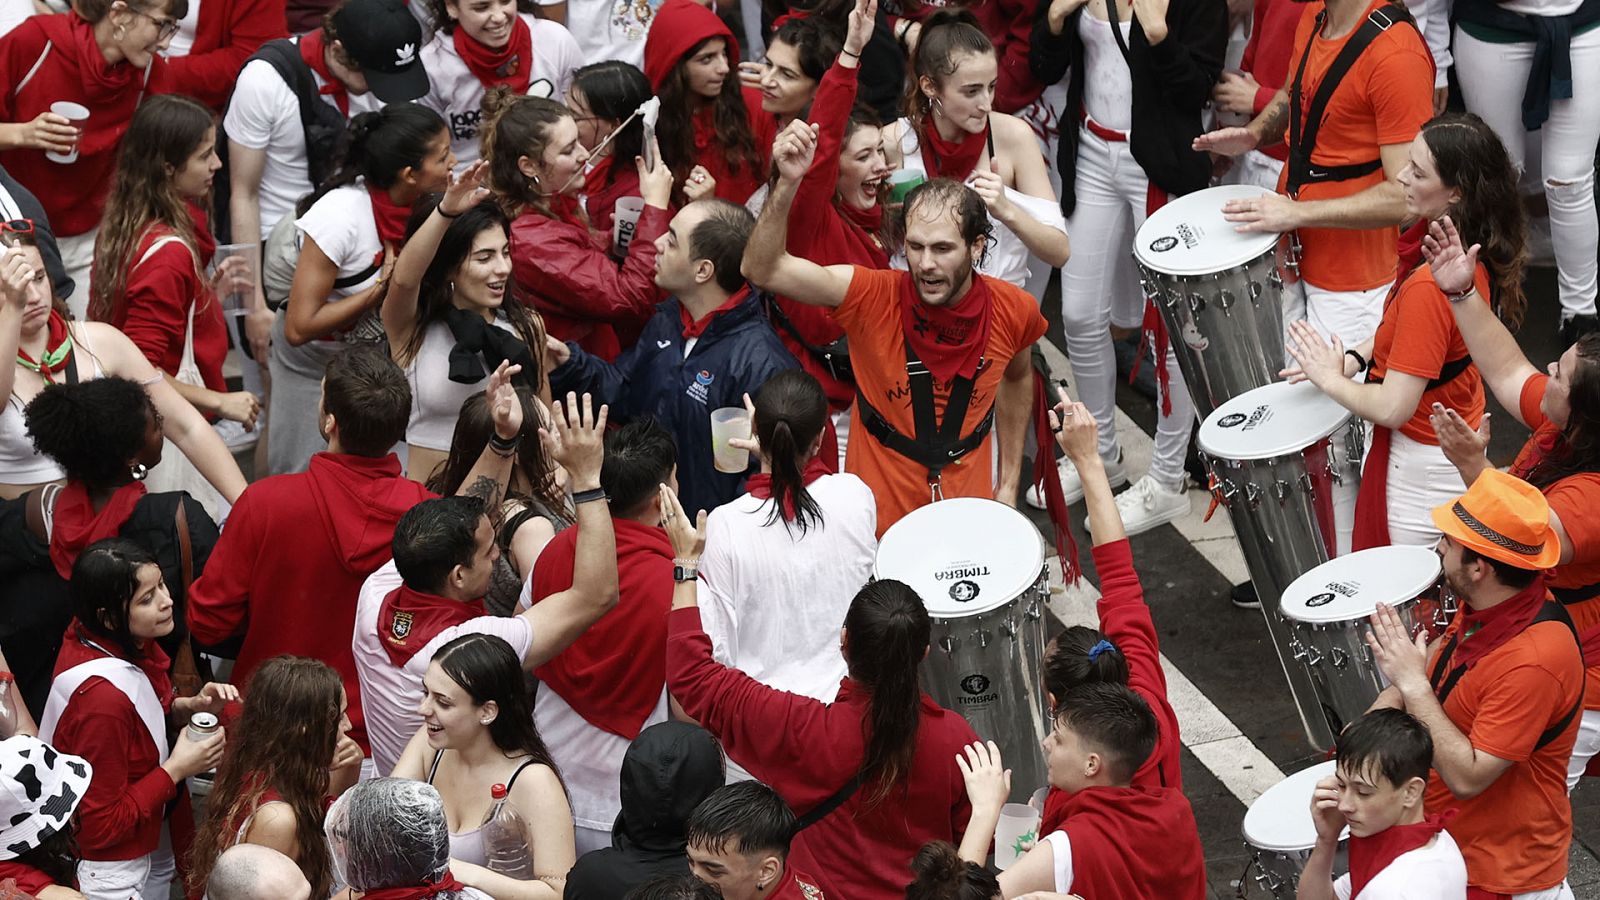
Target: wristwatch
[[684, 571]]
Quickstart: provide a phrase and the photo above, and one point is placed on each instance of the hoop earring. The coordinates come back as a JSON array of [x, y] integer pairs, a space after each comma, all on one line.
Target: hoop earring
[[452, 288], [139, 471]]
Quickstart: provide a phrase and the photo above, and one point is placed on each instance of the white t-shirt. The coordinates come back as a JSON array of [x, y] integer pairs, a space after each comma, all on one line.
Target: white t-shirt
[[611, 29], [1061, 852], [457, 94], [12, 12], [342, 224], [183, 41], [589, 758], [389, 695], [1434, 872]]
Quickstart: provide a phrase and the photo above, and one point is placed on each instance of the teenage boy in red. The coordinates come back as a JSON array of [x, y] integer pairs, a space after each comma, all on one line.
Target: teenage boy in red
[[1396, 853], [286, 574], [1119, 842], [739, 844]]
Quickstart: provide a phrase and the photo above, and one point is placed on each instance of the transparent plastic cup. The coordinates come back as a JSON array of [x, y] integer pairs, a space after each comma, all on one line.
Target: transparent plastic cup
[[1018, 828], [728, 423]]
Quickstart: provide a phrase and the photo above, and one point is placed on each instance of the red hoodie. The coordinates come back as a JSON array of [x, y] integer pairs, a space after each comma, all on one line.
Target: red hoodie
[[1133, 843], [289, 567], [225, 35], [1125, 620], [1268, 55]]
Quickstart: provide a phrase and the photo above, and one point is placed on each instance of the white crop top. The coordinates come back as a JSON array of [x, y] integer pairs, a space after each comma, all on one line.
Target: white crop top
[[435, 399], [19, 462]]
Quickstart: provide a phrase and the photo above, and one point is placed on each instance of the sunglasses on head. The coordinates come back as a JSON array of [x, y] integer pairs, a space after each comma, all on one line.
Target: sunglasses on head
[[17, 226]]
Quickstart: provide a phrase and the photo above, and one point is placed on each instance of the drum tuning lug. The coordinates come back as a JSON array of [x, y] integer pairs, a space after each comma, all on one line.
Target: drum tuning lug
[[1008, 628], [1339, 658], [1255, 291], [1334, 475], [1225, 299], [1281, 490], [1275, 279], [1252, 494], [983, 639], [947, 643], [1307, 485], [1197, 303], [1308, 655]]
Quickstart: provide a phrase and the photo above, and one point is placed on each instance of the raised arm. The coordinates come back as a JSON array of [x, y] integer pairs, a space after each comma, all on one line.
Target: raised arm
[[399, 310], [1390, 404], [1494, 349], [830, 112], [576, 442], [1078, 435], [17, 280], [767, 261]]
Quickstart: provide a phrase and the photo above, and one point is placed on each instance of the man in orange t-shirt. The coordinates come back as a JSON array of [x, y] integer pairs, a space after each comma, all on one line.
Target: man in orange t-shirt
[[1500, 692], [1339, 190], [940, 339]]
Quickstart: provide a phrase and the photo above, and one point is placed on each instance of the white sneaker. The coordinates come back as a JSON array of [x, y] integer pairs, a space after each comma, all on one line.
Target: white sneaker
[[1148, 504], [1072, 485]]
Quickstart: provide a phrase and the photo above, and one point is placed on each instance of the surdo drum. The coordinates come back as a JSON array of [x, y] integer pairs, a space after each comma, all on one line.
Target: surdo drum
[[1327, 610], [1280, 834], [1220, 293], [979, 567], [1271, 453]]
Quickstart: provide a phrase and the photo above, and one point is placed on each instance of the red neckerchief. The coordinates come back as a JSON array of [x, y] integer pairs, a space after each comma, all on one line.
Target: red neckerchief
[[390, 216], [511, 65], [1409, 250], [1482, 633], [950, 339], [446, 882], [951, 159], [77, 525], [1372, 854], [311, 52], [565, 208], [408, 620], [693, 328], [760, 486], [101, 81], [869, 220], [56, 335], [205, 242], [586, 674]]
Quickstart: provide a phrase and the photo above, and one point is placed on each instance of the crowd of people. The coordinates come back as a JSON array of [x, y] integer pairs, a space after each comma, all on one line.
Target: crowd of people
[[362, 472]]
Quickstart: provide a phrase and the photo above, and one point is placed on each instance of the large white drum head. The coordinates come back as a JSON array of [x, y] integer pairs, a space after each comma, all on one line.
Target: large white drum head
[[1273, 420], [1188, 236], [1352, 586], [963, 556], [1280, 819]]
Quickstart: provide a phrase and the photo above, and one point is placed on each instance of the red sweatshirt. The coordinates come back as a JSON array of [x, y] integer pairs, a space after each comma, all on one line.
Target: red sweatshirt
[[121, 813], [288, 569], [806, 750], [820, 232], [225, 35], [736, 187], [153, 310], [1268, 55], [574, 283], [1009, 23], [1132, 843], [27, 879], [1125, 621]]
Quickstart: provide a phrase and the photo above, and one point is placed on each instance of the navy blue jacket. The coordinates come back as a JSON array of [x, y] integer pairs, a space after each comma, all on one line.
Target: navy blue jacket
[[737, 354]]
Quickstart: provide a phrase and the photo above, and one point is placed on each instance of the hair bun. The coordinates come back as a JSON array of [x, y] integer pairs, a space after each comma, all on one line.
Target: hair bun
[[950, 16], [938, 863]]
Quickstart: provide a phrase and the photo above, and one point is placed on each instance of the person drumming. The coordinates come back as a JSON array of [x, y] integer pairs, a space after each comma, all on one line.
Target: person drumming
[[940, 353]]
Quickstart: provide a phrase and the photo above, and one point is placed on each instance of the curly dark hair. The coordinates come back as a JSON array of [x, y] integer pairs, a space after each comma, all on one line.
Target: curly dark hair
[[92, 428], [675, 130], [940, 873], [1469, 157]]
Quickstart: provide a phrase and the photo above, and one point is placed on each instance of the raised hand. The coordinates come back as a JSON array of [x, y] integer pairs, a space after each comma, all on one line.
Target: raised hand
[[752, 443], [700, 184], [1466, 447], [1325, 814], [794, 149], [1453, 267], [688, 536], [858, 28], [988, 781], [556, 352], [655, 182], [751, 73], [16, 275], [1402, 659], [504, 405], [1075, 428], [465, 190], [576, 439]]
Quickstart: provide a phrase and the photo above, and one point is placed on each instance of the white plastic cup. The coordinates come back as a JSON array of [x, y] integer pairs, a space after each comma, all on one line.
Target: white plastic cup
[[902, 182], [1018, 826], [728, 423], [75, 114], [624, 222]]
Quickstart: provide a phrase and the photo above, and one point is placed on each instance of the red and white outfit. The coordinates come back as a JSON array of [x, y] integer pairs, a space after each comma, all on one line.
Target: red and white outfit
[[112, 712], [610, 684], [806, 750], [289, 568], [538, 59], [1404, 862], [1129, 843]]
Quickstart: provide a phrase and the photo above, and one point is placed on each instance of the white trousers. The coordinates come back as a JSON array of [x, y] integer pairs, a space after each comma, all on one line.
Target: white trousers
[[1111, 189], [77, 257], [1420, 479], [147, 877], [1585, 749], [1352, 315], [1493, 78]]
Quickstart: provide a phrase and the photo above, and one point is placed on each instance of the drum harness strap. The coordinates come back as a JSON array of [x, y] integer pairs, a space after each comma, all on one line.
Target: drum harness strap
[[835, 357], [1444, 683], [936, 444], [1301, 170], [1447, 373]]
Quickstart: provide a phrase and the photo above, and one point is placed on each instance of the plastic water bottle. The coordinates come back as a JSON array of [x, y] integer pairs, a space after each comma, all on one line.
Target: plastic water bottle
[[505, 838]]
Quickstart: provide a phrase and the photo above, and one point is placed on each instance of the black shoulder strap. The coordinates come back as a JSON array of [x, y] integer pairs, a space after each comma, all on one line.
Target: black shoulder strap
[[837, 799], [518, 773], [434, 768], [934, 443], [1443, 683], [1450, 371], [1302, 143]]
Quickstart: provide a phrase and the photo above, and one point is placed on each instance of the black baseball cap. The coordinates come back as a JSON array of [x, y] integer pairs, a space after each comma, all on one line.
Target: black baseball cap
[[385, 41]]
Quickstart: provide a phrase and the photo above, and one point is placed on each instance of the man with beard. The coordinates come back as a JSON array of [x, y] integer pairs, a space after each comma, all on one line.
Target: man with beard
[[940, 353], [1500, 691]]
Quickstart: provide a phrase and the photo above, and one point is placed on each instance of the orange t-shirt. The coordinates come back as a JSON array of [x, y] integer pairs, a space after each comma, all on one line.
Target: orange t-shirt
[[1384, 99], [1421, 312], [1574, 500], [870, 317], [1514, 836]]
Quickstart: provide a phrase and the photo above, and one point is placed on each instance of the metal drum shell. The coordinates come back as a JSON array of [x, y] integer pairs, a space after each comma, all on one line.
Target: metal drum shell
[[1336, 657], [1278, 871], [989, 667]]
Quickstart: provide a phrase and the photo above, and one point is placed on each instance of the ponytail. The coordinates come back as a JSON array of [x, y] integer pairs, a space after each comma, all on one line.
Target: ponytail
[[791, 411], [887, 632], [941, 874], [379, 145], [1082, 655]]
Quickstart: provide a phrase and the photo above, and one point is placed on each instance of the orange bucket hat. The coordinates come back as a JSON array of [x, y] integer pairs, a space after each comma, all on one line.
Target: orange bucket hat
[[1504, 518]]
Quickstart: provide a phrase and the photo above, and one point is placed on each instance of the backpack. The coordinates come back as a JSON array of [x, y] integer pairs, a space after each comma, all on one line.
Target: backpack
[[321, 121]]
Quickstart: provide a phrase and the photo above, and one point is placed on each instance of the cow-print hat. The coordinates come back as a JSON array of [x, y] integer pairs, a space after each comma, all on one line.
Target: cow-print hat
[[39, 791]]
